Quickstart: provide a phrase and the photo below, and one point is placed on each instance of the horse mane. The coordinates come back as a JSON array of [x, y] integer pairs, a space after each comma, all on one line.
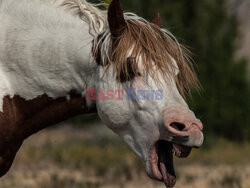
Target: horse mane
[[88, 12], [156, 46]]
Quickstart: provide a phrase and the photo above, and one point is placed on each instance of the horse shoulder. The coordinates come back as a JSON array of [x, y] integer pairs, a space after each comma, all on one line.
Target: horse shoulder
[[21, 118]]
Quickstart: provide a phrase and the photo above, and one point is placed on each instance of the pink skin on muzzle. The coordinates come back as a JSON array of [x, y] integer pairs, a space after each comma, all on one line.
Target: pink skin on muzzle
[[183, 127], [179, 133]]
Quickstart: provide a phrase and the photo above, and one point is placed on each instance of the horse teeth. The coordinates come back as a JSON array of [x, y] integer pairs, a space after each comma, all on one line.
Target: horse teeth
[[178, 153]]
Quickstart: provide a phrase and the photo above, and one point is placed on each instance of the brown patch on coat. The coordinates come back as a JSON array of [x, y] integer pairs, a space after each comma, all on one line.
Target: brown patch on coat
[[21, 118]]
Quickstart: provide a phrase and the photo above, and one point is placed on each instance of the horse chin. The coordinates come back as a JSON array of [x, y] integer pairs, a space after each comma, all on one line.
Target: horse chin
[[160, 166]]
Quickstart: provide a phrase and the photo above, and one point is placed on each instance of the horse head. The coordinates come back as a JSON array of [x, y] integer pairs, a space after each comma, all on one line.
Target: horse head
[[138, 57]]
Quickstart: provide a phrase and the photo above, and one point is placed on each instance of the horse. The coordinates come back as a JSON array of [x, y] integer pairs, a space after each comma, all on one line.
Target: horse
[[62, 58]]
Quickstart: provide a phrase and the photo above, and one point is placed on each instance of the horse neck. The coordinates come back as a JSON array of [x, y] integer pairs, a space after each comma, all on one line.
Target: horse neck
[[55, 58]]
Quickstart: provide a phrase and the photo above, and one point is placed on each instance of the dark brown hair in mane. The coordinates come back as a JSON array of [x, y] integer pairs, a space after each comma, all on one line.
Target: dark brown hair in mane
[[156, 48]]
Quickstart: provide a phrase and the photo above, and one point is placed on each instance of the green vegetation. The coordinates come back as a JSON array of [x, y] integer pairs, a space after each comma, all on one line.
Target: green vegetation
[[112, 152], [108, 155], [222, 151], [78, 158]]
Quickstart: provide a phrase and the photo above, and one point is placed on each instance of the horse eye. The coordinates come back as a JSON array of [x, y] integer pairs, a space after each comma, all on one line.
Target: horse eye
[[138, 74], [130, 71]]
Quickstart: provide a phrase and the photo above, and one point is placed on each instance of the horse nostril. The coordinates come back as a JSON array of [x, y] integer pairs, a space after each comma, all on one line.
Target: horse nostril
[[178, 126]]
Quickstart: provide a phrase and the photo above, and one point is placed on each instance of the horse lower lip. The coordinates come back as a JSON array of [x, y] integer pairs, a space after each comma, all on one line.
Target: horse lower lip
[[165, 163], [162, 168]]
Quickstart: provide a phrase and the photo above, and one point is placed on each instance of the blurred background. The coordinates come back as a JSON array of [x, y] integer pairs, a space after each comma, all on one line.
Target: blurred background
[[82, 152]]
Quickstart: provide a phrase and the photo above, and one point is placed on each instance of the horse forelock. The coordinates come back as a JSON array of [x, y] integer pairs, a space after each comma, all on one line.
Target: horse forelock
[[155, 46]]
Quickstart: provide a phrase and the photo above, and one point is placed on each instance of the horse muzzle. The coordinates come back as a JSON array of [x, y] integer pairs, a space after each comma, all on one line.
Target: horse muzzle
[[182, 128], [180, 132]]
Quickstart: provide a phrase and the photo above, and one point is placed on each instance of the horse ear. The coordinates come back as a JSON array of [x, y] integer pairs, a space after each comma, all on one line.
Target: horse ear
[[157, 20], [116, 19]]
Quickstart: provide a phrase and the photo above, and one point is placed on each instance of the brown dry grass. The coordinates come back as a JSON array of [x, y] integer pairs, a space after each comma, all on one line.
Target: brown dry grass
[[68, 157]]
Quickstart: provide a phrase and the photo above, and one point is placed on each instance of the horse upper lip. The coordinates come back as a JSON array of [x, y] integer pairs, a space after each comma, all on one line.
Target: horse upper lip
[[180, 139]]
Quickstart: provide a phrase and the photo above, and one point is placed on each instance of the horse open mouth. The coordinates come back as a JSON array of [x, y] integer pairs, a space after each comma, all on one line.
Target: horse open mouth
[[164, 151]]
